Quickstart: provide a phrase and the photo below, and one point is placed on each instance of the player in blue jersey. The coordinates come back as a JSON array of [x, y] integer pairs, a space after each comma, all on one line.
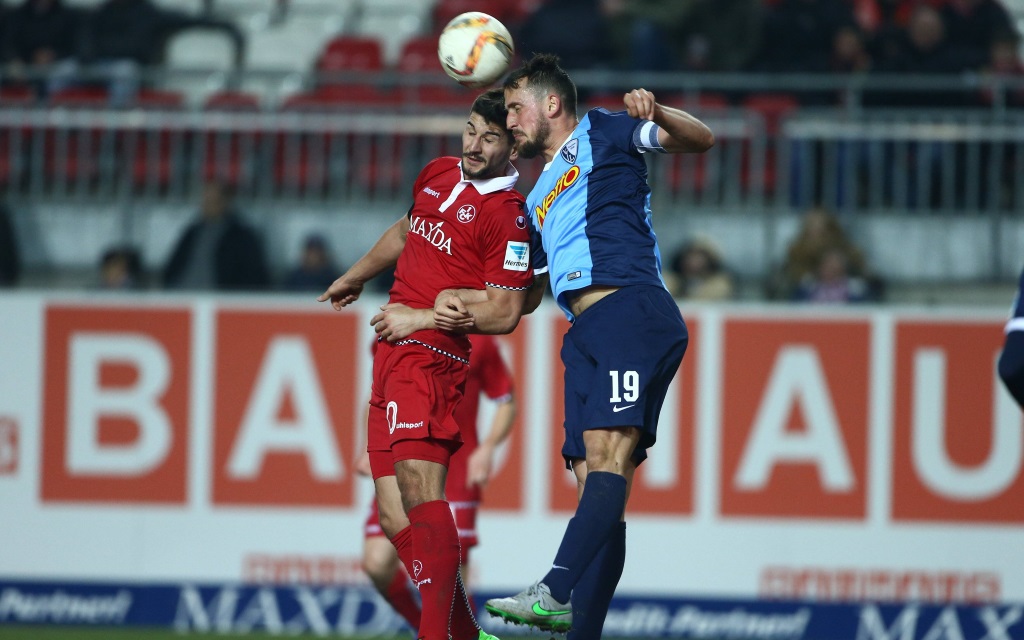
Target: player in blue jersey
[[1011, 360], [590, 220]]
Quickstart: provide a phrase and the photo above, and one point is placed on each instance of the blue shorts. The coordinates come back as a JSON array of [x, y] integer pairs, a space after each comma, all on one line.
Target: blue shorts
[[620, 356]]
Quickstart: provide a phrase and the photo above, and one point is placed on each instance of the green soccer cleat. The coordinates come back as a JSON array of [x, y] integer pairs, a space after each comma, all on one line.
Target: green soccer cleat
[[533, 607], [486, 636]]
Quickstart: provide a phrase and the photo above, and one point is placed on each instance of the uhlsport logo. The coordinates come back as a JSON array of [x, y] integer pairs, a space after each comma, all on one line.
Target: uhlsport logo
[[394, 424], [417, 569], [466, 213], [517, 256], [564, 181]]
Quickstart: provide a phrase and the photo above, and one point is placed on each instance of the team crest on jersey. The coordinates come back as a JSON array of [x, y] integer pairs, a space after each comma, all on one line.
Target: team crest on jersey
[[570, 150], [466, 213], [521, 222], [517, 256]]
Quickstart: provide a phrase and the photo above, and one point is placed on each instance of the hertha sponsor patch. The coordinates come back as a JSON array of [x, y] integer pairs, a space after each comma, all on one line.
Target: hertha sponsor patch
[[517, 256]]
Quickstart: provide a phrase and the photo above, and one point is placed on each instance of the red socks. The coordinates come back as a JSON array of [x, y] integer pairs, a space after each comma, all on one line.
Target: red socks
[[399, 593], [434, 571]]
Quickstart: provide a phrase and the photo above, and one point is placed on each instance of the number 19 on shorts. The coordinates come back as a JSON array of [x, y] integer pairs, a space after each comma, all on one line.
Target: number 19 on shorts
[[628, 382]]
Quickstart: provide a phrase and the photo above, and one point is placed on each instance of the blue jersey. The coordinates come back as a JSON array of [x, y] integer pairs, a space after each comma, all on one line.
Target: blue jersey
[[1011, 360], [590, 211]]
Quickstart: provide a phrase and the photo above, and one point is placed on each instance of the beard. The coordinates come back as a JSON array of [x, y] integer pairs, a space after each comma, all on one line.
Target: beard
[[474, 175], [533, 148]]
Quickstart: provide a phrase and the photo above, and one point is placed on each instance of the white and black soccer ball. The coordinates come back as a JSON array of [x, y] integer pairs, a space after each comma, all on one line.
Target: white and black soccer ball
[[475, 49]]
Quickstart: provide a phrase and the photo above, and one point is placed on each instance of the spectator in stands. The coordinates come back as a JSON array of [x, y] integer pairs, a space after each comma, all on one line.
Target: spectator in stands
[[584, 45], [971, 27], [721, 35], [41, 35], [316, 270], [646, 33], [819, 233], [696, 272], [218, 251], [10, 261], [121, 269], [798, 35], [831, 282], [923, 49], [849, 51], [122, 37], [1004, 62]]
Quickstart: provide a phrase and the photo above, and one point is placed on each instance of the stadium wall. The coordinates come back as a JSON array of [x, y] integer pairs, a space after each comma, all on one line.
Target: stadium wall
[[187, 461]]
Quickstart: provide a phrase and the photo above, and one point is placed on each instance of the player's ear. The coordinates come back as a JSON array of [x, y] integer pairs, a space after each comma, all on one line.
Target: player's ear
[[514, 154], [554, 104]]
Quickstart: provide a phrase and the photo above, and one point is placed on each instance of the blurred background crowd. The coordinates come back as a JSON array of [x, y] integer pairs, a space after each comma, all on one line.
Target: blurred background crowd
[[258, 145]]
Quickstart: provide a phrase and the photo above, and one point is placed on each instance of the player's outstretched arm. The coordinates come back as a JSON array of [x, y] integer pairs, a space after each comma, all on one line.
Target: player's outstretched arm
[[680, 132], [382, 256], [480, 463]]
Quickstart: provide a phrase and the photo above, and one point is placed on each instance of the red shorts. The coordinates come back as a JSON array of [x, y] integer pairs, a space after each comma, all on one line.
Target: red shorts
[[465, 521], [412, 402]]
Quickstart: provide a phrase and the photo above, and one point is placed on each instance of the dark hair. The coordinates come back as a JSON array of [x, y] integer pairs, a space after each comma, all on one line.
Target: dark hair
[[543, 72], [491, 106]]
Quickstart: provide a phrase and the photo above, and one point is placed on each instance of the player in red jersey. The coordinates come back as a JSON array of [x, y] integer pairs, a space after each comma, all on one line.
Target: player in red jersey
[[465, 230], [469, 470]]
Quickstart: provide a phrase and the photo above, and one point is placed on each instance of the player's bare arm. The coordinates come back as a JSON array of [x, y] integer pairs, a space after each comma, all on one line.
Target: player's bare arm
[[680, 132], [397, 321], [451, 307], [382, 256], [493, 311], [535, 293], [480, 463]]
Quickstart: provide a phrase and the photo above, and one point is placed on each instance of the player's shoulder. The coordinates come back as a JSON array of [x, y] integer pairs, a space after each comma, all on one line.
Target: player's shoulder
[[508, 202], [438, 167]]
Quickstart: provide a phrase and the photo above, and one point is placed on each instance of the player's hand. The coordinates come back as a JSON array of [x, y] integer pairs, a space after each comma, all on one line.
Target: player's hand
[[342, 292], [479, 466], [397, 321], [362, 464], [640, 104], [451, 313]]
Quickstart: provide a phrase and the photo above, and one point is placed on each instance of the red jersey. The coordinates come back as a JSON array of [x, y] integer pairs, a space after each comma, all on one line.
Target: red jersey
[[463, 234], [487, 375]]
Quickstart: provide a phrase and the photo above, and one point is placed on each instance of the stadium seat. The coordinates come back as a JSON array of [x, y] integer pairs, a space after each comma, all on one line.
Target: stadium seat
[[232, 101], [152, 150], [772, 107], [229, 155], [509, 12], [432, 89], [350, 53], [342, 97], [80, 97]]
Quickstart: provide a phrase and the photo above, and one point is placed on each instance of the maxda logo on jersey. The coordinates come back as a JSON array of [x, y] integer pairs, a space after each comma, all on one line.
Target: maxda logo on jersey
[[432, 232]]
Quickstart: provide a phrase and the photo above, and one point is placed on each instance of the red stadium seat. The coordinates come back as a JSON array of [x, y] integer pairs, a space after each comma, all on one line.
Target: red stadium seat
[[84, 97], [159, 99], [351, 53], [434, 89], [773, 107], [232, 101]]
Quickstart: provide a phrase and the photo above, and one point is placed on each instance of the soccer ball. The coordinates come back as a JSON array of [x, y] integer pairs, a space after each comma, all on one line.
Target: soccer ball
[[475, 49]]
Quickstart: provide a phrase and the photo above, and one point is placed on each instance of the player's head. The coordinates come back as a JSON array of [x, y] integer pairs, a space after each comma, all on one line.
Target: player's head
[[536, 93], [487, 145]]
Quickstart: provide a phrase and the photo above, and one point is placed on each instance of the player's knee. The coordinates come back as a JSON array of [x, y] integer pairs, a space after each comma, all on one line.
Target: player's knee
[[378, 564]]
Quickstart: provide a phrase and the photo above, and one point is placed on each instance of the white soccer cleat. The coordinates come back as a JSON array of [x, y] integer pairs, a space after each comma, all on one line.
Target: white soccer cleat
[[534, 607]]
